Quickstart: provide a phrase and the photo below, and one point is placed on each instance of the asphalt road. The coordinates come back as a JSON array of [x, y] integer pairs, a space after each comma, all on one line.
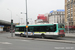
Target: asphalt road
[[20, 44]]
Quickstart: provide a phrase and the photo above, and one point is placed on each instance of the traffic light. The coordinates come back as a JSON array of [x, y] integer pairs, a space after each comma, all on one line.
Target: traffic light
[[27, 22], [11, 21]]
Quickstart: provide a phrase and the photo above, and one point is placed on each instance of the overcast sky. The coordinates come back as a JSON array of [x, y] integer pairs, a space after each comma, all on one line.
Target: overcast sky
[[35, 7]]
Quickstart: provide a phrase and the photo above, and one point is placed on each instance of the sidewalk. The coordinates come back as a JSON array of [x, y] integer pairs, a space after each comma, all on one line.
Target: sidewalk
[[70, 35], [2, 31]]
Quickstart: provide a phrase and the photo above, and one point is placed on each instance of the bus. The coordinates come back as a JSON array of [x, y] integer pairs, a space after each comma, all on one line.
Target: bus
[[41, 30]]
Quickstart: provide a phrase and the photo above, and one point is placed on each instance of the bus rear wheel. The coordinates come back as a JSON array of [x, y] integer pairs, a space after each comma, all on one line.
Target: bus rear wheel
[[43, 36], [21, 35]]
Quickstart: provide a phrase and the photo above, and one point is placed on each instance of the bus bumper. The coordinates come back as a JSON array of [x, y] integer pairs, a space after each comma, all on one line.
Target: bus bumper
[[61, 35], [55, 36]]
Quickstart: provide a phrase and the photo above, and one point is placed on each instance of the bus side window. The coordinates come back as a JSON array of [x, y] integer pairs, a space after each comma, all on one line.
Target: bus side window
[[48, 29], [31, 29], [51, 28], [42, 28], [54, 28], [36, 29], [25, 29], [17, 29]]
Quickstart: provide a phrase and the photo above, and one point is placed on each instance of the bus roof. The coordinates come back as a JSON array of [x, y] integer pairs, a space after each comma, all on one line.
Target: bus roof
[[34, 25]]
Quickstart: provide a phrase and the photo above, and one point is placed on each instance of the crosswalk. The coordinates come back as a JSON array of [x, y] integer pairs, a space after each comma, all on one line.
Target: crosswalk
[[25, 40], [5, 43], [11, 43]]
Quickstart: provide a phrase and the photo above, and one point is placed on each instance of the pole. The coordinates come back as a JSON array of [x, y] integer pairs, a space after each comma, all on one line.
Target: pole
[[11, 27], [19, 18], [21, 21], [11, 23], [57, 17], [26, 20], [60, 18], [68, 27]]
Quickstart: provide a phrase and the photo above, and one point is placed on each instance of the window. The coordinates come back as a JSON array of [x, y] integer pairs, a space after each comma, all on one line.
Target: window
[[74, 2], [71, 15], [17, 29], [71, 19], [71, 5], [42, 28], [68, 0], [61, 26], [30, 29], [21, 29]]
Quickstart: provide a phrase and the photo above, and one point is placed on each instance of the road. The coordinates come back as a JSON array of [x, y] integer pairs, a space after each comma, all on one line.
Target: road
[[20, 44]]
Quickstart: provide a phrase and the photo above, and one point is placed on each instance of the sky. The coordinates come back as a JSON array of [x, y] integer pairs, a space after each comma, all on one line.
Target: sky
[[34, 7]]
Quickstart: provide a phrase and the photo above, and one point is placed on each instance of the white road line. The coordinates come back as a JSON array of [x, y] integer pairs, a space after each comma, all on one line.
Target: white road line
[[25, 40], [5, 43]]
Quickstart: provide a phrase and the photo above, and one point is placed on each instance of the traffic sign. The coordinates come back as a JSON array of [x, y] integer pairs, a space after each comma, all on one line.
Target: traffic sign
[[26, 26]]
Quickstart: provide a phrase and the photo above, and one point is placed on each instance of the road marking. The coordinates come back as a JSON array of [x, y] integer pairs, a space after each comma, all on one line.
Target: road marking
[[25, 40], [5, 43]]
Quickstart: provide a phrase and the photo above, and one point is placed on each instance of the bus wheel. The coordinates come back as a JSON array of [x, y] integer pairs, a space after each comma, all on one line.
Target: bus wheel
[[42, 36], [21, 35]]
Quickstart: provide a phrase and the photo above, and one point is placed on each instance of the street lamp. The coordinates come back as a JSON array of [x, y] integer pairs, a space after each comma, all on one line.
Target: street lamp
[[30, 20], [26, 19], [19, 18], [68, 25], [11, 12], [11, 23]]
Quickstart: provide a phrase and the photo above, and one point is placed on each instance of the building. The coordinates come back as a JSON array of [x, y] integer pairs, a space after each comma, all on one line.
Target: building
[[42, 18], [56, 16], [1, 27], [5, 25], [70, 13]]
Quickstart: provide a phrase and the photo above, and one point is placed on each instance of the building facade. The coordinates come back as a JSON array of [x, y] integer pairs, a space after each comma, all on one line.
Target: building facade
[[56, 16], [70, 12], [42, 18]]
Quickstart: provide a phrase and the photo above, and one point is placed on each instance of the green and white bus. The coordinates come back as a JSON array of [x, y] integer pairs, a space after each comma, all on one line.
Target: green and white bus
[[41, 30]]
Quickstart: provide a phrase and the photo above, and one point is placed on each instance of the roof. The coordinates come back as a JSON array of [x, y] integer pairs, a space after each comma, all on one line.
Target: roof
[[34, 25], [2, 22]]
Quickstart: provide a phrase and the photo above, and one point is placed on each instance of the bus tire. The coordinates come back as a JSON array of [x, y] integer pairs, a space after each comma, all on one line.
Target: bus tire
[[21, 35], [43, 36]]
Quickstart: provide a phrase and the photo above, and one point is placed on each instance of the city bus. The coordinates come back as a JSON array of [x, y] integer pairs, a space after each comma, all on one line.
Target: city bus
[[41, 30]]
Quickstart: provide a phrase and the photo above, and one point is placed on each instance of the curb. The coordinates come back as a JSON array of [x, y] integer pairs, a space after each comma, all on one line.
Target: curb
[[49, 40], [69, 37], [2, 31]]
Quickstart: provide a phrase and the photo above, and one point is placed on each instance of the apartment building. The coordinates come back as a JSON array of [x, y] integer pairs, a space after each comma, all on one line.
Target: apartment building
[[70, 12], [56, 16]]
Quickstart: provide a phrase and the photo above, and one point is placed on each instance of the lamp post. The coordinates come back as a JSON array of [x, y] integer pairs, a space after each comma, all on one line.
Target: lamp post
[[30, 20], [19, 18], [68, 25], [11, 23], [26, 19]]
